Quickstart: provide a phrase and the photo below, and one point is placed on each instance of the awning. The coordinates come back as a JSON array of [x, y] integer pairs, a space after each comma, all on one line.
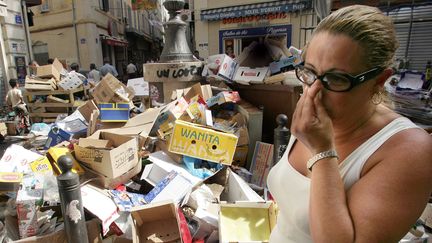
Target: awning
[[255, 9], [113, 41]]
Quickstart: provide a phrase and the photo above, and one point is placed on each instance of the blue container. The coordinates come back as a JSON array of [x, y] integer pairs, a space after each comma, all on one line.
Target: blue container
[[114, 112]]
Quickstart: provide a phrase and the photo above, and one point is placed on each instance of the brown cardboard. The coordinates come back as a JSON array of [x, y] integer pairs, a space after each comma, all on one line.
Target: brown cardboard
[[107, 91], [109, 162], [107, 182], [87, 109], [95, 143], [138, 125], [156, 222], [53, 99], [50, 70], [243, 135], [240, 156]]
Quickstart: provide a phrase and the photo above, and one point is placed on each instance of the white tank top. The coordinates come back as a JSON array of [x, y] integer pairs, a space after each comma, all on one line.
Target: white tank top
[[291, 189]]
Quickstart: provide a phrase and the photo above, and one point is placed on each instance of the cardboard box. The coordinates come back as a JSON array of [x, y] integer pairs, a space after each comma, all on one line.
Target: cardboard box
[[110, 89], [220, 66], [26, 205], [223, 97], [156, 222], [42, 165], [284, 64], [107, 182], [240, 156], [246, 75], [50, 70], [114, 112], [246, 221], [10, 181], [87, 109], [139, 86], [262, 162], [254, 119], [11, 128], [203, 143], [111, 162], [70, 82]]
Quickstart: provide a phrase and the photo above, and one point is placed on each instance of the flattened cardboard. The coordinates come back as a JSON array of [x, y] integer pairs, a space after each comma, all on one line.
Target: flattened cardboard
[[109, 162], [203, 143], [156, 222]]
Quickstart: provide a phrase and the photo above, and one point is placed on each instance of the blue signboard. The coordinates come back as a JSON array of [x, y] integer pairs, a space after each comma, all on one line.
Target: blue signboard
[[18, 19], [254, 9], [276, 30]]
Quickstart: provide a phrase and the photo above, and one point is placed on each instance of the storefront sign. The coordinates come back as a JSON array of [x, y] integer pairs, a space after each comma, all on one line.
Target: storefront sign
[[280, 30], [254, 10], [255, 18]]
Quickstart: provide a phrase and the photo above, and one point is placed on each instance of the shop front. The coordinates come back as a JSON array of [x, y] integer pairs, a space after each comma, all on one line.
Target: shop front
[[236, 27]]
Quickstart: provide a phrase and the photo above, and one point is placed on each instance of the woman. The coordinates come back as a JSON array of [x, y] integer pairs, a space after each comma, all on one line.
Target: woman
[[354, 170]]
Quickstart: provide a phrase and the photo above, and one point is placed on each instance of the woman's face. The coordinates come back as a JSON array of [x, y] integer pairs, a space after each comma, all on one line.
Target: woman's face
[[339, 53]]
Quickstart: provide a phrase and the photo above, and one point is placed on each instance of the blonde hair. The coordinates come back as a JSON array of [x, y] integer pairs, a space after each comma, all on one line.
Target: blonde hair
[[369, 27]]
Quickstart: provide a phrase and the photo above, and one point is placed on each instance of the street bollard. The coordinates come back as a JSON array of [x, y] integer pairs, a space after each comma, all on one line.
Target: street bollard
[[71, 202], [281, 137]]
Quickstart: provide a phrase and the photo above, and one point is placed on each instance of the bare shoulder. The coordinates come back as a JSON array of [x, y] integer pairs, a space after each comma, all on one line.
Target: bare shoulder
[[395, 189]]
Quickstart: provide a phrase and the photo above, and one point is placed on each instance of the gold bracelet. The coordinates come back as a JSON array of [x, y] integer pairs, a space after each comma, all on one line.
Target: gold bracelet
[[326, 154]]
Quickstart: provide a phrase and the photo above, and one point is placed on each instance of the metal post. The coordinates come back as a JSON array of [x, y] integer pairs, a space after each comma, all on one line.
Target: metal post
[[71, 202], [281, 137], [409, 32]]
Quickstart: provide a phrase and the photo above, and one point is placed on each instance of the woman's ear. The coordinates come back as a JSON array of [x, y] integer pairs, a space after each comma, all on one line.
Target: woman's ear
[[383, 77]]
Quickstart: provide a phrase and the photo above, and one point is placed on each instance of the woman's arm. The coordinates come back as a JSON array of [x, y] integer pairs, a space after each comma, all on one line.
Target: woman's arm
[[384, 203]]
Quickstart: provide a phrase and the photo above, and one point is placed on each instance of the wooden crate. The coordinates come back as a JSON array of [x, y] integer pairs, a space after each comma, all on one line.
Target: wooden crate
[[39, 84], [57, 105]]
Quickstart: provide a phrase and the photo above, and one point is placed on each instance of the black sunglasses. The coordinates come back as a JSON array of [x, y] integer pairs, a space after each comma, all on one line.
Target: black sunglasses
[[335, 81]]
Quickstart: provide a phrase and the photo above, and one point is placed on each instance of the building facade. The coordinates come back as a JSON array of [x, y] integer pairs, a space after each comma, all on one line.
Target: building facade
[[90, 31], [230, 26], [15, 47]]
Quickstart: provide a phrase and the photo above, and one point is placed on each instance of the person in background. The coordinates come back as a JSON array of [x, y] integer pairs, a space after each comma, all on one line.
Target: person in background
[[33, 67], [197, 55], [131, 70], [50, 61], [354, 170], [107, 68], [94, 74], [15, 101]]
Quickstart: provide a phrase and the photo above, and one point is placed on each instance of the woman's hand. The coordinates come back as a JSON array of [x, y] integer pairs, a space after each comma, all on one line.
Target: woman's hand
[[311, 123]]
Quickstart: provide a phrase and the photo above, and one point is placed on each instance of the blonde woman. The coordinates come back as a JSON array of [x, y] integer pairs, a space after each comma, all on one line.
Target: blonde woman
[[354, 170]]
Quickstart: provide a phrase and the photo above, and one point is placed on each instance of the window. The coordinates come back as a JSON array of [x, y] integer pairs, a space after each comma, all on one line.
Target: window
[[44, 7], [104, 5]]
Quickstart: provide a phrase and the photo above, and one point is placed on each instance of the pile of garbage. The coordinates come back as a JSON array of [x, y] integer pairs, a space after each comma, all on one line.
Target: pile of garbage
[[54, 77], [409, 97], [170, 174], [266, 62]]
